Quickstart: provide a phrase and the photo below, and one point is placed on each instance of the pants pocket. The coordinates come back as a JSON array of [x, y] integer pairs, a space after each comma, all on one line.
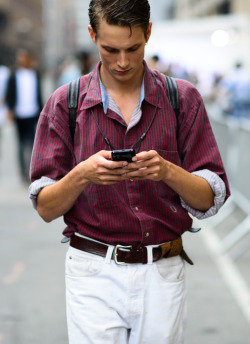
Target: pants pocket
[[170, 269], [82, 264]]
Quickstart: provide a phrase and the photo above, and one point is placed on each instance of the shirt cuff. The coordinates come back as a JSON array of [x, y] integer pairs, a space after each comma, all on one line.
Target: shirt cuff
[[219, 190], [37, 186]]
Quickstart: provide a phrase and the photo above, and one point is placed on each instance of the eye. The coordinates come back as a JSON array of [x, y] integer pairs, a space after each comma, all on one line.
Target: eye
[[133, 49], [110, 50]]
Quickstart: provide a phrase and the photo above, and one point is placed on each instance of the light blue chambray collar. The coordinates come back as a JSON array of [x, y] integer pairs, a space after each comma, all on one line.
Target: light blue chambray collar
[[105, 99]]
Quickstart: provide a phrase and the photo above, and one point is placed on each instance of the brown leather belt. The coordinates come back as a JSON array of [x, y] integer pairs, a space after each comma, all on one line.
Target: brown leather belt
[[129, 255]]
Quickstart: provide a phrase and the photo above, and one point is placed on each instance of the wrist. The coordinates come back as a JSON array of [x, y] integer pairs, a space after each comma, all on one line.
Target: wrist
[[78, 176], [168, 172]]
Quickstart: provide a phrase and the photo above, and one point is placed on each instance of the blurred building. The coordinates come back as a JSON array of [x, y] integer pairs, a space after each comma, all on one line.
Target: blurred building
[[60, 30], [201, 8], [161, 10], [204, 37], [21, 26], [82, 20]]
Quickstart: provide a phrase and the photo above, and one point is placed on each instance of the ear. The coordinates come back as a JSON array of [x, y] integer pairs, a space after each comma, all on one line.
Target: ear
[[148, 32], [92, 34]]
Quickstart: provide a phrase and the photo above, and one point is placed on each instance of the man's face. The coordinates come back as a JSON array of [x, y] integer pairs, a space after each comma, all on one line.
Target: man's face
[[121, 53], [23, 60]]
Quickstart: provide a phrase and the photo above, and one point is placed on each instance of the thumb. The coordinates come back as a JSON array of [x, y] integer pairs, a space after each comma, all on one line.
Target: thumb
[[106, 154]]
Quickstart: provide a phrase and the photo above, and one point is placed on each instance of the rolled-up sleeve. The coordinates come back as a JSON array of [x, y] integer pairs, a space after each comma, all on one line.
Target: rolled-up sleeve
[[219, 190], [37, 186]]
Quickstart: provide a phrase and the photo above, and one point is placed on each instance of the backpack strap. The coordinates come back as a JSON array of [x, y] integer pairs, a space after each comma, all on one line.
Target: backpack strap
[[173, 95], [73, 94]]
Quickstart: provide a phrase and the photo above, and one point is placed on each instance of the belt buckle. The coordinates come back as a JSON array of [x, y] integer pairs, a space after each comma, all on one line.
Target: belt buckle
[[116, 254]]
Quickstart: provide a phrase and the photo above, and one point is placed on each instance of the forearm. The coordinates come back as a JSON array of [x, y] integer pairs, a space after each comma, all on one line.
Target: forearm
[[56, 200], [194, 190]]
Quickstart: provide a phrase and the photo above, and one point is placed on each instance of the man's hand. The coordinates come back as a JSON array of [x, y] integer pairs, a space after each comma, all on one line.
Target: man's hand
[[100, 169], [148, 165]]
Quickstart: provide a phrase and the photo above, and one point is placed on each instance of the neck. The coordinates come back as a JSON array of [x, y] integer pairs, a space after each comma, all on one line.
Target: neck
[[121, 86]]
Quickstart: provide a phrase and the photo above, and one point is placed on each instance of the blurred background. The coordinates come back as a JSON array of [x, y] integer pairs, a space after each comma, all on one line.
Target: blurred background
[[204, 42]]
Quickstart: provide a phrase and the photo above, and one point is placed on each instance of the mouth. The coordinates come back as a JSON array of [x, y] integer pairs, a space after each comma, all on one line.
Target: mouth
[[123, 72]]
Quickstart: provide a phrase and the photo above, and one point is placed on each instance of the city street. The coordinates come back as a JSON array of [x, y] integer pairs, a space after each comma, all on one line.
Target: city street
[[32, 303]]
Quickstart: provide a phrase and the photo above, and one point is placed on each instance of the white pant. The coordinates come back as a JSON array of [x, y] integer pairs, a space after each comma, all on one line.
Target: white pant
[[113, 304]]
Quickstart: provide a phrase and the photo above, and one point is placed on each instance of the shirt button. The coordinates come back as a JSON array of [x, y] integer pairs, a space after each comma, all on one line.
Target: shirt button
[[174, 210], [147, 235], [136, 208], [131, 180]]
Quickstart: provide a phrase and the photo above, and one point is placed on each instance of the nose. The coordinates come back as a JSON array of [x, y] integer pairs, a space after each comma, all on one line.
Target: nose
[[123, 60]]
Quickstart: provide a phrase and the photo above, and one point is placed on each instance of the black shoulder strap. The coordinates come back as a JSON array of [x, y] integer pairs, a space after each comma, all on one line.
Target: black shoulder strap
[[73, 93], [173, 95]]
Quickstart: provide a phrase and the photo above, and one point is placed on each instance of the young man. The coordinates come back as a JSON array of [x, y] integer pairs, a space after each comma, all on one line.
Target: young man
[[24, 100], [125, 267]]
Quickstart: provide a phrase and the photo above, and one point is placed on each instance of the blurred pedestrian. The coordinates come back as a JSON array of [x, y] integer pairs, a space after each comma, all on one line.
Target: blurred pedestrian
[[24, 100], [69, 70], [4, 75], [153, 62], [237, 87], [219, 94], [86, 61], [125, 263]]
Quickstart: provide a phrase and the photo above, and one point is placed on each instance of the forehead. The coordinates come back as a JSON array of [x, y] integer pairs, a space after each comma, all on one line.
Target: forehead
[[117, 35]]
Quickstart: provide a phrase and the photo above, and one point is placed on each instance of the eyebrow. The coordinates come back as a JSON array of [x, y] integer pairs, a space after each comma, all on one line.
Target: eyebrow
[[109, 47]]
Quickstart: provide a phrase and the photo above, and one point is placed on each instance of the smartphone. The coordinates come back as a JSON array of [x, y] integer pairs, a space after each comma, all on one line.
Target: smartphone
[[123, 155]]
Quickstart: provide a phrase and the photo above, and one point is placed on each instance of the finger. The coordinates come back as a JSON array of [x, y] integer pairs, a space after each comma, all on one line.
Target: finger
[[108, 163], [143, 172], [105, 154], [146, 155], [143, 163], [110, 179], [110, 172], [116, 165]]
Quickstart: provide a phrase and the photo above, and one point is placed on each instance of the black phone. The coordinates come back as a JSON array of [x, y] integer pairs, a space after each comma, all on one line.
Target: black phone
[[123, 155]]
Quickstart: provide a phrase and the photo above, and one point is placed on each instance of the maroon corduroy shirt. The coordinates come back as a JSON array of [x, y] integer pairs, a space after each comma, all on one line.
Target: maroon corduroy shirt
[[131, 212]]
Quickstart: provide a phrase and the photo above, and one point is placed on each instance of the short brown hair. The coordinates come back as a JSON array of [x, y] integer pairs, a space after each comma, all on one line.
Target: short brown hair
[[120, 12]]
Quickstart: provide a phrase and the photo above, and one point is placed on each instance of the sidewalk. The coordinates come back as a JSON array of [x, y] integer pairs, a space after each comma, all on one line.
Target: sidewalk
[[32, 306], [214, 314]]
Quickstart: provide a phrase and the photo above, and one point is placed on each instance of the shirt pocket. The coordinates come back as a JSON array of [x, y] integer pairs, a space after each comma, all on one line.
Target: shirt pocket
[[172, 156]]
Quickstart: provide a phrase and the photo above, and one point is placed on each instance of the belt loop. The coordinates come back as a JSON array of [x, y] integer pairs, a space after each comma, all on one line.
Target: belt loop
[[150, 254], [109, 254]]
